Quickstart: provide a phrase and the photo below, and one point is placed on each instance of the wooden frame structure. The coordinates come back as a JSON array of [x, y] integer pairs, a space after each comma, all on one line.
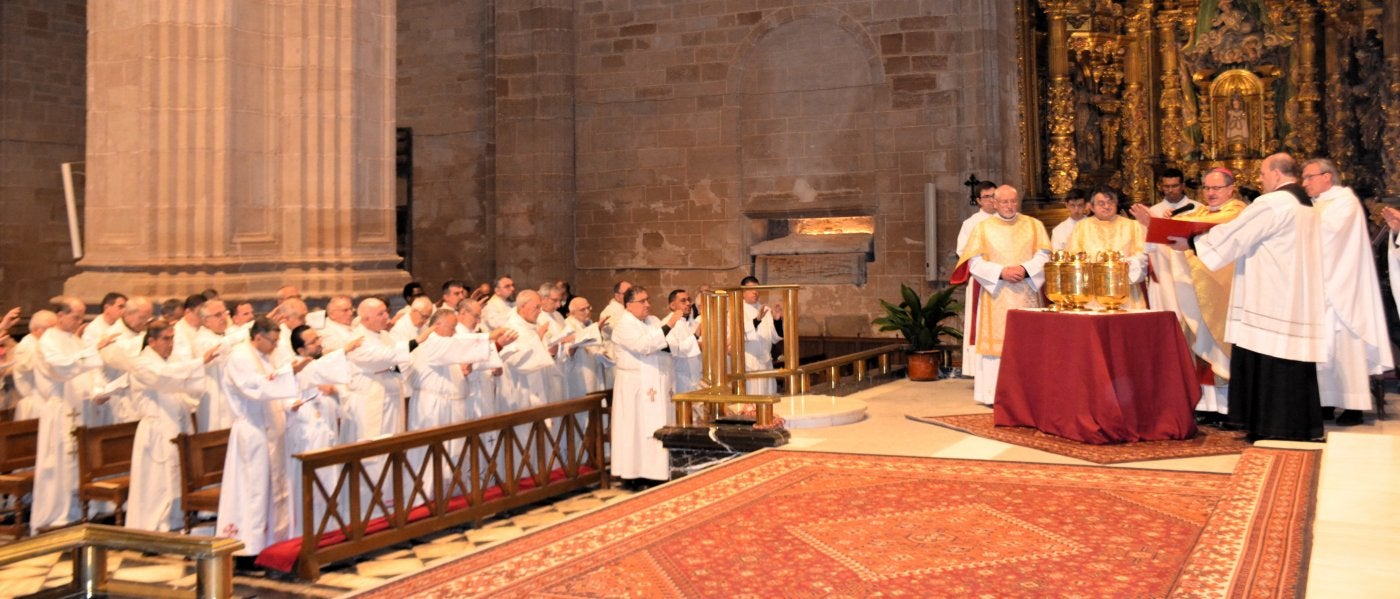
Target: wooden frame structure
[[390, 490]]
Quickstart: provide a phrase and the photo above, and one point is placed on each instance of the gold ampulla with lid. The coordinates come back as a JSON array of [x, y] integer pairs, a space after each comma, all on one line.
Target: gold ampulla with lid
[[1072, 280]]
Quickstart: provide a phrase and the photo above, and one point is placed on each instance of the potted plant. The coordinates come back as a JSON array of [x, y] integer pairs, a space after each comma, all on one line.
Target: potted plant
[[921, 323]]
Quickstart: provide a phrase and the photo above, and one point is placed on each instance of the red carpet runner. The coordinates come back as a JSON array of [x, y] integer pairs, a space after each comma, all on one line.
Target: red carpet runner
[[1208, 441], [780, 523]]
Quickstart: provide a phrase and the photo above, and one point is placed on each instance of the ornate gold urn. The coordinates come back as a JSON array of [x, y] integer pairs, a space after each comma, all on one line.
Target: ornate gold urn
[[1075, 275], [1110, 281], [1053, 291]]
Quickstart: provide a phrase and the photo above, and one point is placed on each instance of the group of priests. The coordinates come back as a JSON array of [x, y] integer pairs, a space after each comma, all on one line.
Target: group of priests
[[293, 380], [1279, 299]]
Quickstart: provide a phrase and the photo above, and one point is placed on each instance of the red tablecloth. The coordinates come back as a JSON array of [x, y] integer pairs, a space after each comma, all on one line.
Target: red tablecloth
[[1097, 378]]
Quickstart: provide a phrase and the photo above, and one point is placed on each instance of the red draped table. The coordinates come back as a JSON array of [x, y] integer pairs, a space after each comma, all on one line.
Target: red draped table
[[1097, 378]]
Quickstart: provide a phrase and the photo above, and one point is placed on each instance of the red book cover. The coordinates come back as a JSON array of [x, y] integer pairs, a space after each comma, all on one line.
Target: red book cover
[[1162, 228]]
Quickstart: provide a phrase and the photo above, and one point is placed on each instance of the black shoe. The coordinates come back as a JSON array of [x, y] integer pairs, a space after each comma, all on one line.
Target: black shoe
[[1208, 418], [1349, 418], [1328, 412]]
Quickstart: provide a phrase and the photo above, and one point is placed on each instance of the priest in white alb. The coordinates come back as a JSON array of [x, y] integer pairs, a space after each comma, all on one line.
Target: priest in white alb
[[312, 420], [1005, 260], [67, 378], [641, 393], [255, 494], [1359, 344], [1200, 296], [1109, 232], [985, 194], [165, 389]]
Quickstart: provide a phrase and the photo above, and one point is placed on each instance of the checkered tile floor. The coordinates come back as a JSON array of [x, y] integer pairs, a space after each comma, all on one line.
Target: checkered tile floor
[[337, 579]]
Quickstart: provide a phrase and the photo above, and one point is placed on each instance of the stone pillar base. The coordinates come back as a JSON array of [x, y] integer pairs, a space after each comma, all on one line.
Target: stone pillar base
[[357, 280]]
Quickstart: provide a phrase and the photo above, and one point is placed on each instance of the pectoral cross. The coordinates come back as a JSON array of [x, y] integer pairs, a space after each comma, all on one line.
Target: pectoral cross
[[651, 394]]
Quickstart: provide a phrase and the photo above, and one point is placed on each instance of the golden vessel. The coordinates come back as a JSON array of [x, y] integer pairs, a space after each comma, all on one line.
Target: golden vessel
[[1075, 283], [1053, 289], [1110, 281]]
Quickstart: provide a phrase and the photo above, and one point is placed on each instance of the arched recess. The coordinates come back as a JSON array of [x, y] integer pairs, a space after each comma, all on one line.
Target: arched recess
[[807, 87]]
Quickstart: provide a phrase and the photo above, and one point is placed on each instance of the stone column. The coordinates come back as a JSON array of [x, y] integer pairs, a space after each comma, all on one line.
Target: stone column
[[535, 141], [241, 145]]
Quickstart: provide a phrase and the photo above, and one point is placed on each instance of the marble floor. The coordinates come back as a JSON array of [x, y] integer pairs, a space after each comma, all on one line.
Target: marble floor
[[1355, 548]]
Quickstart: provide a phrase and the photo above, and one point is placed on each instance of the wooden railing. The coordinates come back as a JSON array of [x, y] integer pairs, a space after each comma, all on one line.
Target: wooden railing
[[390, 490], [90, 542], [858, 362]]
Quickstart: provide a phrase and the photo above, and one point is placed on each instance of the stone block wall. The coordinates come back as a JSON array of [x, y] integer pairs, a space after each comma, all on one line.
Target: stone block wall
[[696, 119], [446, 94], [42, 95]]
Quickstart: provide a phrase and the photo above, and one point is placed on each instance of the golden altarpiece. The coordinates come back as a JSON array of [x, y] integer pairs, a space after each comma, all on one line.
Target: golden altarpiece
[[1116, 91]]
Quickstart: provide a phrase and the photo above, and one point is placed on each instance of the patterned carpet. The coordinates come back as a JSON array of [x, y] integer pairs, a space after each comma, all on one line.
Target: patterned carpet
[[806, 524], [1208, 441]]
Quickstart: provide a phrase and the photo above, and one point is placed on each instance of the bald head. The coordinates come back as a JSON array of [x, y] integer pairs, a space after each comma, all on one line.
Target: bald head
[[293, 312], [41, 321], [580, 309], [1008, 201], [527, 304], [138, 313], [374, 315]]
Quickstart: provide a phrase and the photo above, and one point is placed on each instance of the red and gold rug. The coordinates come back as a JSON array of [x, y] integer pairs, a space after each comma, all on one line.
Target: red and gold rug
[[807, 524], [1208, 441]]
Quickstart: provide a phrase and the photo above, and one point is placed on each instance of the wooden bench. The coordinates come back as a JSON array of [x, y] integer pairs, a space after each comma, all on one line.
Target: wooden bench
[[19, 443], [104, 466], [201, 472]]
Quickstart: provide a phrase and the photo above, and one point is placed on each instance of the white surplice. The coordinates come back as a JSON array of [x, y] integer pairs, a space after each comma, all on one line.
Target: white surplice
[[641, 399], [23, 371], [213, 413], [583, 373], [66, 379], [313, 426], [758, 349], [1276, 298], [1355, 315], [164, 391], [254, 496], [685, 355]]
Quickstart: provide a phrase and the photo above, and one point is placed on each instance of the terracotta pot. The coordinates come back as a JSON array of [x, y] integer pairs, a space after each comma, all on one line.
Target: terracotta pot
[[923, 365]]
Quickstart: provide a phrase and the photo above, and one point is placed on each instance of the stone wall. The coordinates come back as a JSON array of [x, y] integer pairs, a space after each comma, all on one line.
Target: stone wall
[[446, 95], [42, 95], [698, 119]]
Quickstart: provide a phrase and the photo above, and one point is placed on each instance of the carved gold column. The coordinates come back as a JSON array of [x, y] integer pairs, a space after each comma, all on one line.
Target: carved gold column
[[241, 145], [1339, 126], [1309, 137], [1137, 167], [1175, 144], [1392, 102], [1063, 166]]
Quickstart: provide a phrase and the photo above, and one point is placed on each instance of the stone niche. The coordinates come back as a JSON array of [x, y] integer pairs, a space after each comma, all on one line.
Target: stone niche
[[813, 250]]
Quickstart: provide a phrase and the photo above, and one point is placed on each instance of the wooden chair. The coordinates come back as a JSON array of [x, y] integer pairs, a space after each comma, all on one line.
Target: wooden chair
[[201, 472], [19, 443], [104, 466]]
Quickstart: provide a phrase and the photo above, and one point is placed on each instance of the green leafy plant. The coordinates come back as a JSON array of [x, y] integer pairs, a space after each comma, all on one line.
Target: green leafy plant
[[921, 322]]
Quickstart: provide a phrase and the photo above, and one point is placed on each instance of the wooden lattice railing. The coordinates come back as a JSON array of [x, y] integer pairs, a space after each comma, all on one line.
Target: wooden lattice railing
[[382, 492]]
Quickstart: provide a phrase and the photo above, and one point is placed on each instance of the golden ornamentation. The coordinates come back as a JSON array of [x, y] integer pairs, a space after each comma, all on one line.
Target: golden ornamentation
[[1306, 133], [1063, 168], [1175, 143]]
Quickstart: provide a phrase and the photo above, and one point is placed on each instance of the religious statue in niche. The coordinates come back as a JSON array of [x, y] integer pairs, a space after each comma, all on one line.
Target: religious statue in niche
[[1236, 108], [1236, 120]]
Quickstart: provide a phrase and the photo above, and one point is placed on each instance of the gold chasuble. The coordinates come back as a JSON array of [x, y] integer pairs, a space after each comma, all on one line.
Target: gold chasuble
[[1123, 235], [1212, 295], [1005, 243]]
